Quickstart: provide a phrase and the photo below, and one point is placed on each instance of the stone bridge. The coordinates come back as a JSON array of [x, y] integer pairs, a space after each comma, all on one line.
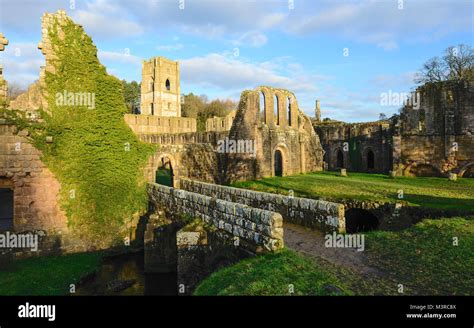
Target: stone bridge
[[202, 227]]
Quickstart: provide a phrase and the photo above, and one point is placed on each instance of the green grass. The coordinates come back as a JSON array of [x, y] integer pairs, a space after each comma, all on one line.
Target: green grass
[[271, 274], [423, 257], [427, 192], [47, 276]]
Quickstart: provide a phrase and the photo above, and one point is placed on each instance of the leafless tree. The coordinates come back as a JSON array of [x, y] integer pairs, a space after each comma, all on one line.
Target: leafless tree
[[456, 64]]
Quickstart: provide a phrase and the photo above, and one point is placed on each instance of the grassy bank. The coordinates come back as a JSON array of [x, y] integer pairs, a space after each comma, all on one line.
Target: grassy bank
[[271, 274], [428, 192], [46, 276], [425, 258], [422, 258]]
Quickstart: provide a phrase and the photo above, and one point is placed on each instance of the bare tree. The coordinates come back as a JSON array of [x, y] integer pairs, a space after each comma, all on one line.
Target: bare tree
[[14, 90], [459, 62], [456, 64], [432, 71]]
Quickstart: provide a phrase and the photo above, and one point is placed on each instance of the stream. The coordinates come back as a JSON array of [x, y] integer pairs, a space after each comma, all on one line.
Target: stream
[[125, 275]]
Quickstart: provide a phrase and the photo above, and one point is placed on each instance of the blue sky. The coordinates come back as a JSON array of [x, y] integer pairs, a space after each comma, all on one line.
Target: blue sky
[[227, 46]]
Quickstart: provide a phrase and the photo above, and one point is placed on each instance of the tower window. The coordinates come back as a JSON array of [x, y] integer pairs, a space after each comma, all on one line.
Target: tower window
[[168, 85]]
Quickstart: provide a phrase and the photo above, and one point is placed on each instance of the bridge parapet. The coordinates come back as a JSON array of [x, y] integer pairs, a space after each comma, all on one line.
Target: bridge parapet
[[316, 214], [256, 226]]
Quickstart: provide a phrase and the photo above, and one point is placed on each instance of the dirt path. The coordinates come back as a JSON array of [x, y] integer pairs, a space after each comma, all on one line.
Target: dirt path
[[311, 243]]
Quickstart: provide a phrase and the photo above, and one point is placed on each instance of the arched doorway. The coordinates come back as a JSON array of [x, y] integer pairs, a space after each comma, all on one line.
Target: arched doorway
[[278, 163], [164, 173], [6, 209], [339, 159], [370, 160]]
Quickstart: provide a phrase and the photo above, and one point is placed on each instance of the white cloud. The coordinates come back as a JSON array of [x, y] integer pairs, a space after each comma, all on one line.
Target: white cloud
[[122, 57], [106, 26], [219, 71], [254, 39], [170, 47], [21, 63]]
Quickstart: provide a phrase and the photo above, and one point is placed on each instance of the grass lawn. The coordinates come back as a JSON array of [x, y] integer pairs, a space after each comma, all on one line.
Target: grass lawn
[[271, 274], [428, 192], [46, 276], [422, 258]]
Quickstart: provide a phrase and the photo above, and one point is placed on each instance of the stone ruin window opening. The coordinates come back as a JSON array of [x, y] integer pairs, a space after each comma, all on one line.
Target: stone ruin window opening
[[168, 84], [289, 111], [261, 108], [276, 110], [6, 208], [370, 160], [278, 165], [339, 159], [152, 109]]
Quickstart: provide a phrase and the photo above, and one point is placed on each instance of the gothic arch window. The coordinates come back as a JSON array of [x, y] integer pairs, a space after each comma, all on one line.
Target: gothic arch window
[[168, 84], [261, 107], [276, 110], [289, 110]]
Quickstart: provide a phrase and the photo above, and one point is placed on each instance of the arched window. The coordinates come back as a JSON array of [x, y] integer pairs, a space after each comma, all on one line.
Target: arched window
[[276, 110], [289, 110], [261, 108], [370, 160], [168, 85]]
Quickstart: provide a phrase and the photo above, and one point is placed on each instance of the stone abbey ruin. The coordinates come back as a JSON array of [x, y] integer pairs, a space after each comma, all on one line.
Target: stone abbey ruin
[[267, 135]]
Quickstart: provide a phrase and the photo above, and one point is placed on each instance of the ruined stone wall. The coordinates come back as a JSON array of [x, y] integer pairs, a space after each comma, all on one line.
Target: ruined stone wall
[[258, 227], [316, 214], [35, 189], [194, 161], [438, 137], [354, 141], [219, 124], [149, 124], [278, 128]]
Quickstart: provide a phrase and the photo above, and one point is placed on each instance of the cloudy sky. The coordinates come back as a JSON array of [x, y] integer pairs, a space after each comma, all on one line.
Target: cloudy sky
[[344, 52]]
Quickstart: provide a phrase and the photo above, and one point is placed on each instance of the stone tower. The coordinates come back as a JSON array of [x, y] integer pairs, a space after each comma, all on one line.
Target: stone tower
[[160, 90], [318, 111]]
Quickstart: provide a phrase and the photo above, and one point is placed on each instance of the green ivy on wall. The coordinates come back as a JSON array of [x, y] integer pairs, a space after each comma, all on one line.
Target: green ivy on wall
[[97, 158]]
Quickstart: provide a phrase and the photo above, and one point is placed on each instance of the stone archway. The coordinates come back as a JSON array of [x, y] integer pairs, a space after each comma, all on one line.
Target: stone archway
[[339, 159], [467, 171], [163, 161], [164, 173], [278, 163], [369, 159]]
